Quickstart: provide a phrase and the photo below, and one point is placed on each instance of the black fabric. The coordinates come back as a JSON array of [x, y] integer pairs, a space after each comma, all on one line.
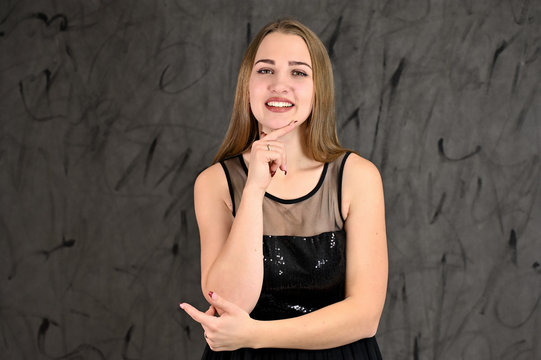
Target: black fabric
[[364, 349], [301, 274], [340, 176], [304, 255]]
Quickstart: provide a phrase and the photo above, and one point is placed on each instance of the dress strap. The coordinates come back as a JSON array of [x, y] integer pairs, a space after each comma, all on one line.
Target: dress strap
[[340, 176], [229, 185]]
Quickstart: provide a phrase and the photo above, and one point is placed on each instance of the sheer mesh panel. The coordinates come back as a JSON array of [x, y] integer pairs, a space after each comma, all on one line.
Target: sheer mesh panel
[[315, 213]]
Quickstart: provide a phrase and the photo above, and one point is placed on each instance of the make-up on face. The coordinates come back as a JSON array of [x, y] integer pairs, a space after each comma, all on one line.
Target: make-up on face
[[281, 84]]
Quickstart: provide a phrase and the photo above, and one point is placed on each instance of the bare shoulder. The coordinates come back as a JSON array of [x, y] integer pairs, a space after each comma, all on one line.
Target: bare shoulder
[[210, 175], [211, 187], [358, 171], [361, 181]]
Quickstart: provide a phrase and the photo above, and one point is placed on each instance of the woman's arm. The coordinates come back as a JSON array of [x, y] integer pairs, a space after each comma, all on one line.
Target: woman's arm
[[231, 248], [357, 316]]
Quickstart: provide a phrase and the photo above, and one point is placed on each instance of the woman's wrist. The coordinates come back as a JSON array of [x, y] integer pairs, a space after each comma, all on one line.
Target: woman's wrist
[[253, 192], [255, 339]]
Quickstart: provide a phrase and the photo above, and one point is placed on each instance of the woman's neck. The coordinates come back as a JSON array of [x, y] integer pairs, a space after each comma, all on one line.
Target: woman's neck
[[298, 157]]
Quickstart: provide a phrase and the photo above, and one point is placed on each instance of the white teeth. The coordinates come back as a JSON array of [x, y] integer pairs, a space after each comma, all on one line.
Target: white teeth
[[279, 104]]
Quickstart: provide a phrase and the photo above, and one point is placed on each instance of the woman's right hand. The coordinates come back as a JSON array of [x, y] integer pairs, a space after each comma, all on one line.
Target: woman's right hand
[[267, 155]]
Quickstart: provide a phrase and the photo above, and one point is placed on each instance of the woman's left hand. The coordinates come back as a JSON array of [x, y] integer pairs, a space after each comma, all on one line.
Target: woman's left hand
[[233, 329]]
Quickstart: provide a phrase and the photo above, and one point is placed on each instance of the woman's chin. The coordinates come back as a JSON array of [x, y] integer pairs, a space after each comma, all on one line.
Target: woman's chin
[[269, 125]]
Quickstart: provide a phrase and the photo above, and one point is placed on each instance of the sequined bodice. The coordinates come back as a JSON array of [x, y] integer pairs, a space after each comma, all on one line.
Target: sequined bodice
[[304, 245], [302, 274]]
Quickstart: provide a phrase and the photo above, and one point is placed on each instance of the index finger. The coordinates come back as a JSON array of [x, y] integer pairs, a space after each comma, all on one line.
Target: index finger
[[281, 131], [197, 315]]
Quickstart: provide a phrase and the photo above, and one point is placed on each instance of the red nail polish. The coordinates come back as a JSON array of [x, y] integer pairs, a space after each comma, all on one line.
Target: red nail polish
[[285, 172], [210, 294]]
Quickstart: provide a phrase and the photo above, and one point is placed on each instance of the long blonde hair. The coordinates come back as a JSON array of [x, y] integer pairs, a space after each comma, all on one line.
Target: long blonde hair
[[321, 138]]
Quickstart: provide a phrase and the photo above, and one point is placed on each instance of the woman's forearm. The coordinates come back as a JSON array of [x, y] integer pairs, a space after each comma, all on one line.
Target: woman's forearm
[[237, 272], [334, 325]]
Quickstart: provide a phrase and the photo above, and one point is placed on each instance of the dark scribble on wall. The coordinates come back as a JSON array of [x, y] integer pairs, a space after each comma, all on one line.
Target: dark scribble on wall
[[110, 108]]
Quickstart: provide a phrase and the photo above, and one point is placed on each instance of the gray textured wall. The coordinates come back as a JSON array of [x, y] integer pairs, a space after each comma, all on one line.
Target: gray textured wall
[[110, 108]]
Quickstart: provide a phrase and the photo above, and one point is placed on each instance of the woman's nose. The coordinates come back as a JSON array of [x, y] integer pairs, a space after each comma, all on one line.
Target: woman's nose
[[279, 84]]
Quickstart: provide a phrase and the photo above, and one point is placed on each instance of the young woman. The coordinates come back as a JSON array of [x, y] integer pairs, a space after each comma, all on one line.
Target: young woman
[[292, 225]]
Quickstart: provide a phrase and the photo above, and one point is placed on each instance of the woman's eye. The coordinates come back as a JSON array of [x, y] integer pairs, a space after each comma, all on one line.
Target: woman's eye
[[298, 73], [264, 71]]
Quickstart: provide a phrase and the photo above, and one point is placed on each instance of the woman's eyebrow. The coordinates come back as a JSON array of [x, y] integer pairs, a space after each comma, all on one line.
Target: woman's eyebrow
[[290, 63], [299, 63]]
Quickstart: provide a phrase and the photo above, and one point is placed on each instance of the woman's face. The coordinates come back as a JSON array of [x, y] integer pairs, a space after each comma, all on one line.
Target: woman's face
[[281, 83]]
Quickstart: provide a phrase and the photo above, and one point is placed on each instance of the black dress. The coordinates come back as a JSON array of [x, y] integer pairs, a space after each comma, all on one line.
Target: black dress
[[304, 256]]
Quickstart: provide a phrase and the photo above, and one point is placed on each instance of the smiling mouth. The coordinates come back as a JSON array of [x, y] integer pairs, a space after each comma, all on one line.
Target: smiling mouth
[[279, 104]]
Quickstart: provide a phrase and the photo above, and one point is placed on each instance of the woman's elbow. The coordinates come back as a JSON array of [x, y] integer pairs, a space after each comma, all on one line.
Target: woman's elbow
[[368, 327], [372, 329]]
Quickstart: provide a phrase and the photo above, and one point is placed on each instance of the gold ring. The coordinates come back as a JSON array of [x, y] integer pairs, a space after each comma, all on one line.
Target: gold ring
[[268, 147]]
